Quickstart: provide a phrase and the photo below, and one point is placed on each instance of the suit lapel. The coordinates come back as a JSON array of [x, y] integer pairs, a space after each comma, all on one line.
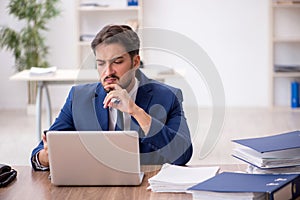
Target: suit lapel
[[143, 98], [144, 93], [102, 113]]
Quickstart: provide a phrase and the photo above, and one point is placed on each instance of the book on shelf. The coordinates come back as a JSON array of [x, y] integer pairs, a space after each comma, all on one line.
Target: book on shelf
[[295, 94], [108, 3], [132, 2], [93, 3], [87, 37], [286, 68], [231, 185], [173, 178], [289, 2], [281, 150]]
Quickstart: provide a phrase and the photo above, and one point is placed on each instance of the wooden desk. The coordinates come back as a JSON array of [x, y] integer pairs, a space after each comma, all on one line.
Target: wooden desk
[[36, 185], [67, 76]]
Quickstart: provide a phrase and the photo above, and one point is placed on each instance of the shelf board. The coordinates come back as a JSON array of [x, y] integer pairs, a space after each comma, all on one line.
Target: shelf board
[[286, 108], [286, 39], [290, 4], [92, 8], [286, 74]]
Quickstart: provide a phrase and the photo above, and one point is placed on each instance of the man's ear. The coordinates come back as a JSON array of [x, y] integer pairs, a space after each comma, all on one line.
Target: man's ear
[[136, 61]]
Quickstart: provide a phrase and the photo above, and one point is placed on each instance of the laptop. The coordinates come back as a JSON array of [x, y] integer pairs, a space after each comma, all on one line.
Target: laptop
[[86, 158]]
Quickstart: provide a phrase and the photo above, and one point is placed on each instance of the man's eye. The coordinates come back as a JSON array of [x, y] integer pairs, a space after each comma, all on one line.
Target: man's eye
[[100, 63], [118, 61]]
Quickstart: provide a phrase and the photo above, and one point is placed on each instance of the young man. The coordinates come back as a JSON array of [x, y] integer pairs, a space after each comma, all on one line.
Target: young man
[[147, 106]]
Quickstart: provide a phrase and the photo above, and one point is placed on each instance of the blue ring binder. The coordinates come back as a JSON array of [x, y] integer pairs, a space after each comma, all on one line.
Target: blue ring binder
[[294, 94]]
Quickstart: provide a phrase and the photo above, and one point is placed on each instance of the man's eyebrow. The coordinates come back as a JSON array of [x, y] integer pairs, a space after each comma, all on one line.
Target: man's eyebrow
[[116, 58], [111, 60]]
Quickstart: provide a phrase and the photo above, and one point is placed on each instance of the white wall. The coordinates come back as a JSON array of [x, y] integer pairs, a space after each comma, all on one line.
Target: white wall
[[234, 34], [12, 93], [62, 42]]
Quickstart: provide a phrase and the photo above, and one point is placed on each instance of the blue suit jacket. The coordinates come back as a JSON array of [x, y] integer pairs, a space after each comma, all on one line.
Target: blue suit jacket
[[168, 140]]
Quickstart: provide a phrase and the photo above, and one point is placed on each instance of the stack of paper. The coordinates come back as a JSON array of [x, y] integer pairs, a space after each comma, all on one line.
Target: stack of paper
[[42, 71], [229, 185], [274, 154], [172, 178]]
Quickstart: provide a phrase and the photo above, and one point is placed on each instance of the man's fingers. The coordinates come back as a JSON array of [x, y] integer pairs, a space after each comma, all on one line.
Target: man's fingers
[[109, 97], [111, 87], [44, 138]]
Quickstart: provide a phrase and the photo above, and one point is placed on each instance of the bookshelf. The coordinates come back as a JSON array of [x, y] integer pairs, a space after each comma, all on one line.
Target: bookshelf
[[92, 18], [285, 51]]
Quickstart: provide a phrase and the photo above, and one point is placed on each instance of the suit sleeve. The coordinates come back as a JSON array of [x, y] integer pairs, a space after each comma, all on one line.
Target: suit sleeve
[[169, 135]]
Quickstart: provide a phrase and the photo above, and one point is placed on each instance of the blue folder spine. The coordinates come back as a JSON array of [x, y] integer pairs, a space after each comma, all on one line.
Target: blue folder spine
[[294, 94], [132, 2]]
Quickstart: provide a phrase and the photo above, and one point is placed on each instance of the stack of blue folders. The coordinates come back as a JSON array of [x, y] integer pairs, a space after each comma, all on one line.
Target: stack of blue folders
[[230, 185], [276, 158], [272, 154]]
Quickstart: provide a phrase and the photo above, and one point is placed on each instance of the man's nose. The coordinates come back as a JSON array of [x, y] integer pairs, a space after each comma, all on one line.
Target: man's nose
[[109, 69]]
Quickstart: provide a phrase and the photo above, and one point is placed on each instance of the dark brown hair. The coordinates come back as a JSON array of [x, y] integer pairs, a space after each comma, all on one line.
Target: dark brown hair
[[121, 34]]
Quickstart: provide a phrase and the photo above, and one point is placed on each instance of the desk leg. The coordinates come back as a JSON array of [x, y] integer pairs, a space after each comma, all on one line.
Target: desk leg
[[38, 115], [49, 113]]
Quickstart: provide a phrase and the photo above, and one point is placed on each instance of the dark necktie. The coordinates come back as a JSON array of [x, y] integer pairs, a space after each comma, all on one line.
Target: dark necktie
[[120, 121]]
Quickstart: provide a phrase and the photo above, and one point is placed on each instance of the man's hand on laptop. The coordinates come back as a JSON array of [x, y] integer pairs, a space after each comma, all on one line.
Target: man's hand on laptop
[[43, 154]]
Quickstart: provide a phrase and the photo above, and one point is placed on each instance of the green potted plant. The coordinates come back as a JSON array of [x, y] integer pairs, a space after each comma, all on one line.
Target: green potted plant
[[28, 45]]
